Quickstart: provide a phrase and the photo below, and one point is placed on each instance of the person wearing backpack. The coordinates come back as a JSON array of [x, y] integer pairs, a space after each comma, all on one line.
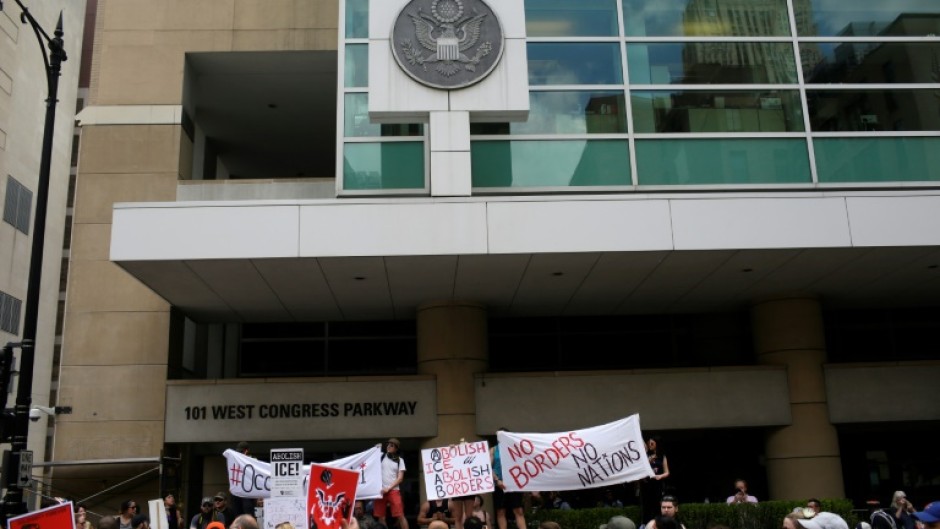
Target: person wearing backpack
[[393, 473]]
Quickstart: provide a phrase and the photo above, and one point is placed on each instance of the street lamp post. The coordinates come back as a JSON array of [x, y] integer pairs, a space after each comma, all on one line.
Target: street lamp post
[[13, 502]]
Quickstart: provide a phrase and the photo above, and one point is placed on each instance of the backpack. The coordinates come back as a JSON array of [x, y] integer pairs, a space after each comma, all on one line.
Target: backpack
[[882, 520]]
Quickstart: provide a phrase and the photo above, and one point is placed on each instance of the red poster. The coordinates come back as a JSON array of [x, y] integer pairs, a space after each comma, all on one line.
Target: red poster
[[330, 495], [55, 517]]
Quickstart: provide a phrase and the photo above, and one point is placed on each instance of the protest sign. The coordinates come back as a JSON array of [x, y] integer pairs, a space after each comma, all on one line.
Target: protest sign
[[251, 478], [56, 517], [579, 459], [288, 512], [330, 495], [288, 479], [457, 470]]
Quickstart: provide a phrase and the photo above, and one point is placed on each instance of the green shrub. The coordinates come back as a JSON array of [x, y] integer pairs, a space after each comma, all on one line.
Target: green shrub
[[764, 515]]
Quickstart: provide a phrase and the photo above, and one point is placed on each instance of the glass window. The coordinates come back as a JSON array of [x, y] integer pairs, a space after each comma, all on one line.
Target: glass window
[[398, 165], [356, 120], [873, 110], [861, 18], [877, 159], [711, 63], [357, 19], [717, 111], [870, 62], [571, 18], [574, 63], [574, 112], [722, 161], [356, 117], [356, 68], [550, 163], [695, 18]]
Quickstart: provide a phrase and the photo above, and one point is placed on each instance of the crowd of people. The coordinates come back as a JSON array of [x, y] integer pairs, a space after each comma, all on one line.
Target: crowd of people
[[659, 509]]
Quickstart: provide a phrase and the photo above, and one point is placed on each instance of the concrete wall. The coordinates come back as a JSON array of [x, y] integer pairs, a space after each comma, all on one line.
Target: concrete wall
[[117, 330]]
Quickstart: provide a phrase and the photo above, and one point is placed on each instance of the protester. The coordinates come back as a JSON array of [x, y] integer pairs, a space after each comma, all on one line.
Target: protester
[[930, 516], [740, 495], [244, 521], [108, 522], [127, 513], [668, 508], [809, 519], [206, 515], [902, 511], [479, 510], [363, 519], [140, 521], [618, 522], [81, 517], [243, 505], [174, 518], [431, 510], [610, 500], [652, 488], [393, 473], [504, 501], [222, 507]]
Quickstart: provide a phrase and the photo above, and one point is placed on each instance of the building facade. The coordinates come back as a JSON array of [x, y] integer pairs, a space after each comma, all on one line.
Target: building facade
[[23, 100], [721, 215]]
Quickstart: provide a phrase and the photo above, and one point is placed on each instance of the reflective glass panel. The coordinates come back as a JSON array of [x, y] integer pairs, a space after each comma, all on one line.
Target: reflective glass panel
[[356, 120], [694, 18], [862, 18], [870, 62], [877, 159], [383, 165], [722, 161], [574, 63], [711, 63], [571, 18], [873, 110], [357, 19], [567, 163], [717, 111], [574, 113], [356, 67]]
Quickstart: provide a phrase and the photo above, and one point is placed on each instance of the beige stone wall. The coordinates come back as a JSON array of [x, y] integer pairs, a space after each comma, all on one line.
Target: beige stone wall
[[141, 44], [116, 333]]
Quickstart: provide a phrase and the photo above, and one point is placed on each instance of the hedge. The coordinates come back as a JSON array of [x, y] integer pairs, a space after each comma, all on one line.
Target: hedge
[[763, 515]]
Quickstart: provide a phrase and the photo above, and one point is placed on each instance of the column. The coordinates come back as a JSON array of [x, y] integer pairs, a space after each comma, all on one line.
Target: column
[[803, 458], [452, 344]]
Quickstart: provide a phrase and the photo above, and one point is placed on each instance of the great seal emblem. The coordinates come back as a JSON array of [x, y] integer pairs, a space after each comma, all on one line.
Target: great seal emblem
[[447, 43]]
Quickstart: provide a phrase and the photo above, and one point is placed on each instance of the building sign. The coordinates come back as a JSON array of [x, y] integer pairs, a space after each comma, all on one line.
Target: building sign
[[447, 44], [273, 411]]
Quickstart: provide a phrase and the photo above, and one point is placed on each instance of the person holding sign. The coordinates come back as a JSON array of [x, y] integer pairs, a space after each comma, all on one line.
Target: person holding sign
[[652, 488], [502, 500], [393, 473]]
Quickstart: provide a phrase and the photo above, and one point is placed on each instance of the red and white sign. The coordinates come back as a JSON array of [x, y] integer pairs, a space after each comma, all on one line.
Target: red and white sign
[[56, 517], [331, 493]]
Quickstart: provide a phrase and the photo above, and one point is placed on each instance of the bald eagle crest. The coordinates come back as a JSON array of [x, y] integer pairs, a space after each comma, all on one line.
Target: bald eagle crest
[[448, 41]]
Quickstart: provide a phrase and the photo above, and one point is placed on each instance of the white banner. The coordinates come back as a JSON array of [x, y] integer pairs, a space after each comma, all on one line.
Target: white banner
[[457, 470], [251, 478], [581, 459]]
